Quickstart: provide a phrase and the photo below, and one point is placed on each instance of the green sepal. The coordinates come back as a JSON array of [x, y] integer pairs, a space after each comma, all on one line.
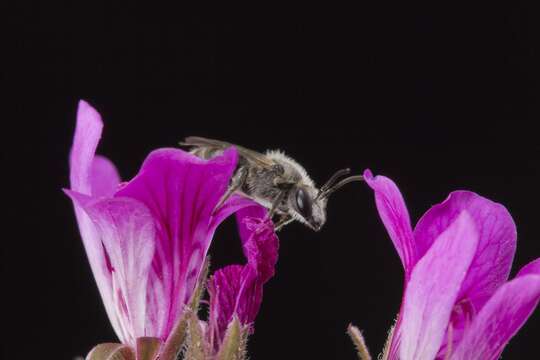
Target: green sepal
[[234, 343], [147, 348], [111, 351], [196, 347], [176, 338], [201, 286]]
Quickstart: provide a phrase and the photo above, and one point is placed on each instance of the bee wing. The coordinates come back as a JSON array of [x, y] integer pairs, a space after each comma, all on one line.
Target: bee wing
[[252, 156]]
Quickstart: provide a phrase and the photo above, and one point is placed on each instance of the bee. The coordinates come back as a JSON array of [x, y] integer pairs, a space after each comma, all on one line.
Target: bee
[[275, 181]]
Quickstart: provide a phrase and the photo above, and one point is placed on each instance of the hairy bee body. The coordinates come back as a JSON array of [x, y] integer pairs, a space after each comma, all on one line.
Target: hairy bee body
[[275, 181]]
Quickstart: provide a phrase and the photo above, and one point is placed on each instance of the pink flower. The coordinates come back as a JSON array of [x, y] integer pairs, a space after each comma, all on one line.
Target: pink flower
[[147, 239], [458, 302]]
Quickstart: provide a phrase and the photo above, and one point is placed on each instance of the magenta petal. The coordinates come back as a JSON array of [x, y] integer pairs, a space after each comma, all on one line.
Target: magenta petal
[[395, 217], [85, 141], [225, 288], [96, 257], [238, 289], [496, 243], [231, 206], [500, 319], [244, 230], [83, 167], [126, 229], [123, 232], [104, 178], [531, 268], [433, 288], [260, 243], [181, 191], [90, 174]]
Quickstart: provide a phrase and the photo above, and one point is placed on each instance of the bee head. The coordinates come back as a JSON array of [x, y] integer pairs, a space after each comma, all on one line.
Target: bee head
[[312, 211]]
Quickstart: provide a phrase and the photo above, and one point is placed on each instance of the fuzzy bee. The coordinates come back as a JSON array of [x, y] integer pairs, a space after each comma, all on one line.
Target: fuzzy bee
[[275, 181]]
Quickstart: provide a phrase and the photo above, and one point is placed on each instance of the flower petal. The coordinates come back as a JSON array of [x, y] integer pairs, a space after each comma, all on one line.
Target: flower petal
[[85, 170], [125, 230], [181, 191], [85, 141], [237, 290], [496, 243], [104, 178], [395, 217], [433, 289], [245, 229], [259, 241], [90, 174], [500, 319], [231, 206], [531, 268], [224, 288]]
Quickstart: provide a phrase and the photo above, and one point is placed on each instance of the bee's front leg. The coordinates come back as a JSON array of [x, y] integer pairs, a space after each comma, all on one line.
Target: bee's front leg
[[237, 182], [276, 203], [284, 188], [284, 220]]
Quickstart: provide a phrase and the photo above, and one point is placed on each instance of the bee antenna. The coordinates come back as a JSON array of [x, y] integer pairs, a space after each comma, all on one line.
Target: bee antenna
[[332, 180], [329, 191]]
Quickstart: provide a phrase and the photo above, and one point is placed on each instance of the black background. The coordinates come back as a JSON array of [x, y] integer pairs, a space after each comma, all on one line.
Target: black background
[[437, 98]]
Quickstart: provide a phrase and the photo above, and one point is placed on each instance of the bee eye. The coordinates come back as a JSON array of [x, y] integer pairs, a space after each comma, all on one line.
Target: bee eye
[[303, 203]]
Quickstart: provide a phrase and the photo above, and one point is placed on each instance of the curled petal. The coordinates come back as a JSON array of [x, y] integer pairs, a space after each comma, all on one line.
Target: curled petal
[[245, 226], [259, 240], [395, 217], [85, 141], [433, 289], [500, 319], [237, 290], [181, 191], [261, 251]]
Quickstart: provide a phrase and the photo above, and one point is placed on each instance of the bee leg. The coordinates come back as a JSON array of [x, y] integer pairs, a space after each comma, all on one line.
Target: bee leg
[[284, 186], [285, 220], [276, 203], [237, 182]]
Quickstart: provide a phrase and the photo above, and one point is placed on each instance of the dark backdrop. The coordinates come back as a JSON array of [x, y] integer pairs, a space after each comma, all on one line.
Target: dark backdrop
[[437, 98]]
